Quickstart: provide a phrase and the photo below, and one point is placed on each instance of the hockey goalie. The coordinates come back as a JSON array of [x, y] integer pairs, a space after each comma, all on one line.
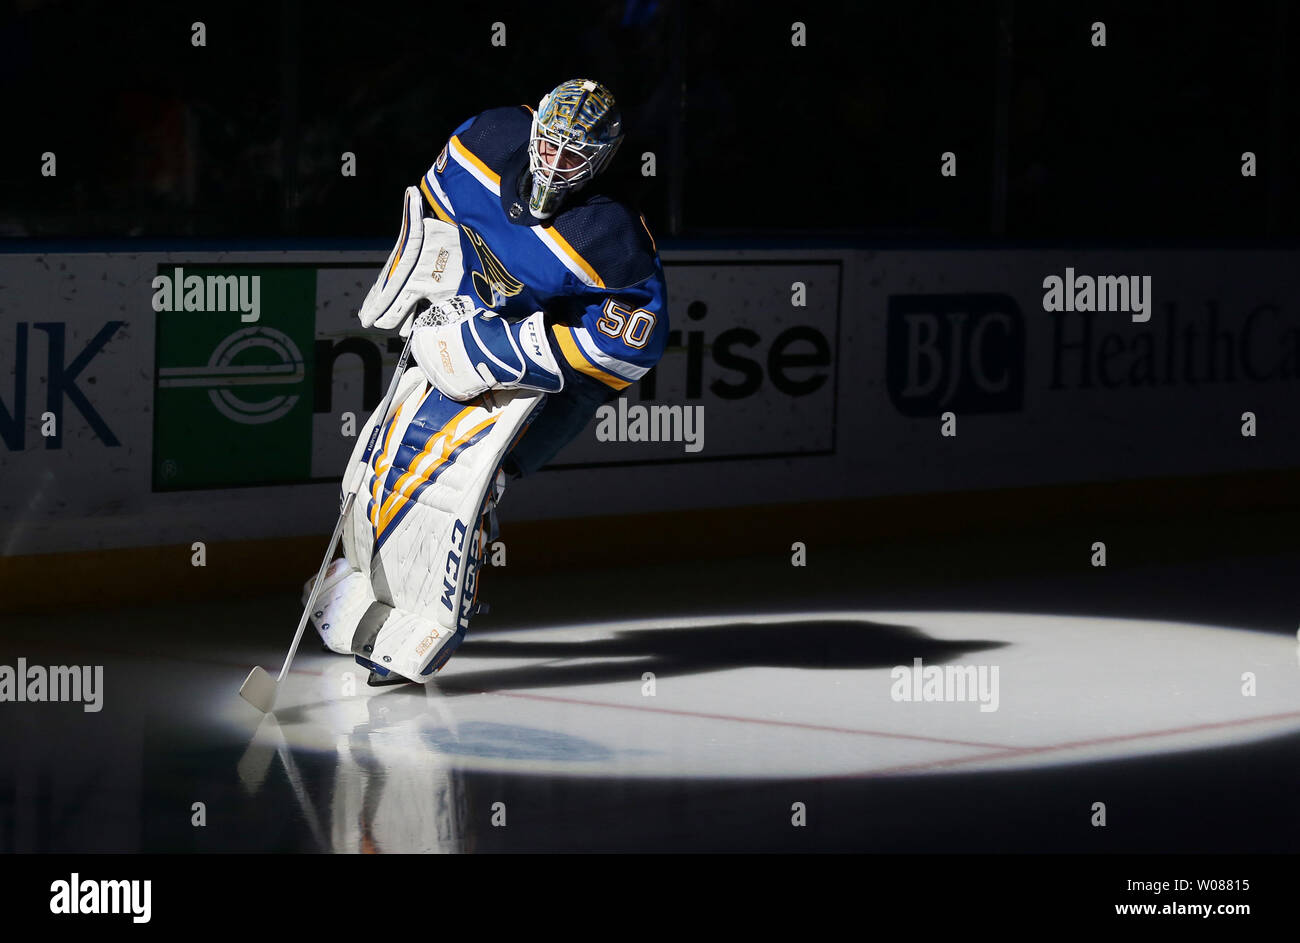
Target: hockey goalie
[[531, 295]]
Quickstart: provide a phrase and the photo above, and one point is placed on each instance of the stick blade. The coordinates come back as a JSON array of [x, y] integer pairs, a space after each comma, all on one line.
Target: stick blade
[[259, 689]]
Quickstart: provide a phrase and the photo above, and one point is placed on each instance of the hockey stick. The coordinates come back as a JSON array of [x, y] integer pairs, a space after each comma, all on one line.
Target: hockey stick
[[259, 688]]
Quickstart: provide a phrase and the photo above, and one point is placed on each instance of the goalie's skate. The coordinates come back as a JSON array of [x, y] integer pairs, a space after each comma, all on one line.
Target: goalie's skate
[[376, 680]]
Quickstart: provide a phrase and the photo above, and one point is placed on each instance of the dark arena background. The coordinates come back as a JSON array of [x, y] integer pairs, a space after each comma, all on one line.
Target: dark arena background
[[978, 534]]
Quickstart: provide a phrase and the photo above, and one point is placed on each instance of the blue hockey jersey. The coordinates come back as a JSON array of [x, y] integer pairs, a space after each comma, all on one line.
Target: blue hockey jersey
[[592, 267]]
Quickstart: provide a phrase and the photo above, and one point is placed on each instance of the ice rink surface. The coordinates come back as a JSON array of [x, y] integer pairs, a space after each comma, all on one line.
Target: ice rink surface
[[700, 707]]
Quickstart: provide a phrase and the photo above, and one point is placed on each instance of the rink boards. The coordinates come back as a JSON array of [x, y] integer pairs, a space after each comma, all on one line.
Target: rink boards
[[798, 375]]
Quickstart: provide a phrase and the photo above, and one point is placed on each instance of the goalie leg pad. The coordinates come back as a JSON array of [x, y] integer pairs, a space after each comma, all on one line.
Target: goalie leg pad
[[358, 535], [426, 493], [469, 604]]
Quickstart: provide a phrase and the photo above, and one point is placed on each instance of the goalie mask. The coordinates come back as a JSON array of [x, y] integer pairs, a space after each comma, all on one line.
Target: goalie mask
[[576, 131]]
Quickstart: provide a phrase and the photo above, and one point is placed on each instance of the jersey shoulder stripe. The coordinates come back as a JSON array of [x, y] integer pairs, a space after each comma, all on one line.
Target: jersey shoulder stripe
[[437, 198], [606, 355], [568, 256], [579, 360], [611, 241], [477, 169]]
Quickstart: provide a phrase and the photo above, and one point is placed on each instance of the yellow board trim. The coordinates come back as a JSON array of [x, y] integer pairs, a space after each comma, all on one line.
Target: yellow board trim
[[578, 360], [922, 522], [482, 167]]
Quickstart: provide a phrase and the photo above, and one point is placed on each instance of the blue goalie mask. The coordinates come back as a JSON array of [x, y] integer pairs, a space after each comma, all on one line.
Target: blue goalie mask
[[576, 131]]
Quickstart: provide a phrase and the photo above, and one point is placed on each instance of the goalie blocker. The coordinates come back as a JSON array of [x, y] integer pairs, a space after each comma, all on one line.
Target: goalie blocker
[[401, 598]]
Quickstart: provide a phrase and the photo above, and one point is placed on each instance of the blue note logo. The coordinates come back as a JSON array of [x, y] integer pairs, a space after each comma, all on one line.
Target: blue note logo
[[493, 282]]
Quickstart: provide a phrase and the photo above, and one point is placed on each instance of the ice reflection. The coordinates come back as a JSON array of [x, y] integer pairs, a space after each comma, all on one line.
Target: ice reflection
[[391, 789]]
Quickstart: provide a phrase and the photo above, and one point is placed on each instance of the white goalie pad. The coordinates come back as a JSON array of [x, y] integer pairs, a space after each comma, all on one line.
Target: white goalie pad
[[425, 263], [342, 602], [417, 528]]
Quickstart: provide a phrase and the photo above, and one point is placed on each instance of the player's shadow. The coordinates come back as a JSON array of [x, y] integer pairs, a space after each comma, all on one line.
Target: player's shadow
[[669, 652]]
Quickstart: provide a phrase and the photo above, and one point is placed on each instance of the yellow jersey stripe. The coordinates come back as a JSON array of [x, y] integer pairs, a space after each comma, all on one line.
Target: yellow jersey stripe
[[572, 253], [483, 168], [646, 227], [438, 209], [578, 360]]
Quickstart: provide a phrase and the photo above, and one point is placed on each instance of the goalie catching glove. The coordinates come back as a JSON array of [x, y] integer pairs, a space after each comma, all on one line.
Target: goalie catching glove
[[425, 263], [465, 351]]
